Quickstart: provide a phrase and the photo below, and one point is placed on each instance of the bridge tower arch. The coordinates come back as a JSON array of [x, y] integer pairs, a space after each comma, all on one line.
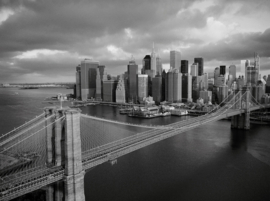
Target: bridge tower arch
[[242, 102], [64, 149]]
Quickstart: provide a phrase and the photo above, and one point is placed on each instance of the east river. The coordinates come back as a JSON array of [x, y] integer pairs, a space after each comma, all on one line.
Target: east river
[[212, 162]]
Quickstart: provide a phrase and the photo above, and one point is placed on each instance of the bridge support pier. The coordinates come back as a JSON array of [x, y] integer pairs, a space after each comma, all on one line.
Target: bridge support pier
[[64, 149], [242, 121]]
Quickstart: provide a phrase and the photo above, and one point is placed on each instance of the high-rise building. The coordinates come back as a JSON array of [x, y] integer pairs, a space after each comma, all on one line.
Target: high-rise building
[[153, 61], [109, 89], [222, 93], [206, 96], [146, 63], [142, 81], [99, 77], [88, 78], [184, 66], [170, 85], [186, 88], [164, 85], [219, 81], [247, 64], [232, 71], [175, 59], [132, 80], [252, 75], [222, 70], [257, 64], [157, 89], [200, 63], [205, 79], [78, 82], [267, 86], [242, 67], [159, 65], [194, 69], [195, 88], [120, 90], [177, 86]]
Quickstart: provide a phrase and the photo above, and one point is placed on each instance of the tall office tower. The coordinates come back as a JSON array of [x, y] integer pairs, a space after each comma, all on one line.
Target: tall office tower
[[153, 61], [109, 88], [194, 69], [242, 67], [132, 81], [78, 82], [219, 81], [164, 85], [247, 64], [98, 86], [146, 63], [222, 70], [150, 74], [252, 75], [205, 80], [216, 75], [232, 71], [257, 64], [258, 91], [88, 78], [142, 81], [184, 66], [195, 88], [200, 63], [240, 82], [120, 90], [186, 88], [159, 65], [126, 85], [222, 93], [175, 59], [206, 96], [157, 89], [267, 86], [170, 85], [177, 86], [265, 77]]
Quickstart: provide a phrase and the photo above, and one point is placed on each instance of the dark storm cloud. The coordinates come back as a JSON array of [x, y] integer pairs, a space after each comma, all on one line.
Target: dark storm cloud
[[238, 47]]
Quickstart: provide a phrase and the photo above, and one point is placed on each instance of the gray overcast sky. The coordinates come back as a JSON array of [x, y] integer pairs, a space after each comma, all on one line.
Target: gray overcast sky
[[44, 40]]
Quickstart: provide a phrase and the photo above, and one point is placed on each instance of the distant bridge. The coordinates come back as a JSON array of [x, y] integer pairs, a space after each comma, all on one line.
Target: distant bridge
[[58, 146]]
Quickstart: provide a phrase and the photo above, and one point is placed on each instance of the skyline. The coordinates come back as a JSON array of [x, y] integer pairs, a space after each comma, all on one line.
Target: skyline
[[45, 41]]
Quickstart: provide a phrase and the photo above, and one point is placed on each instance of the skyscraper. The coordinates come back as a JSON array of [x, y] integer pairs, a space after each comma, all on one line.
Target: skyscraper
[[159, 65], [175, 59], [132, 80], [170, 85], [194, 69], [142, 81], [146, 63], [78, 82], [200, 65], [177, 86], [222, 70], [186, 88], [184, 66], [88, 78], [109, 90], [120, 90], [99, 83], [153, 61], [157, 89]]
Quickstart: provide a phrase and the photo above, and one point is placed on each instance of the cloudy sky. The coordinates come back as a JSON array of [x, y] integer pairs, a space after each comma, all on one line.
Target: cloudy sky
[[44, 40]]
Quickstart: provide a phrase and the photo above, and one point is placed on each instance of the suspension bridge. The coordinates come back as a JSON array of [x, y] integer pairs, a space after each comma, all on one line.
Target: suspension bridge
[[54, 150]]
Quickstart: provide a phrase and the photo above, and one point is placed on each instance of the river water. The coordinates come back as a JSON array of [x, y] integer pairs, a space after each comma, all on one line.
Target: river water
[[212, 162]]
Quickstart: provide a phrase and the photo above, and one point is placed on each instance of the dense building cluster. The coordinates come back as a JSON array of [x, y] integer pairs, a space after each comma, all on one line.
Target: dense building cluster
[[181, 83]]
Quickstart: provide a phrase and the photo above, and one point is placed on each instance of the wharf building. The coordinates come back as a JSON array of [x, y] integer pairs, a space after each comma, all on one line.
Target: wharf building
[[175, 59], [120, 90], [132, 69], [200, 63], [142, 81]]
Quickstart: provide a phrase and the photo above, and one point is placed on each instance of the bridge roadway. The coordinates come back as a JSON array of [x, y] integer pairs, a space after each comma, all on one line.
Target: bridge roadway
[[25, 183]]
